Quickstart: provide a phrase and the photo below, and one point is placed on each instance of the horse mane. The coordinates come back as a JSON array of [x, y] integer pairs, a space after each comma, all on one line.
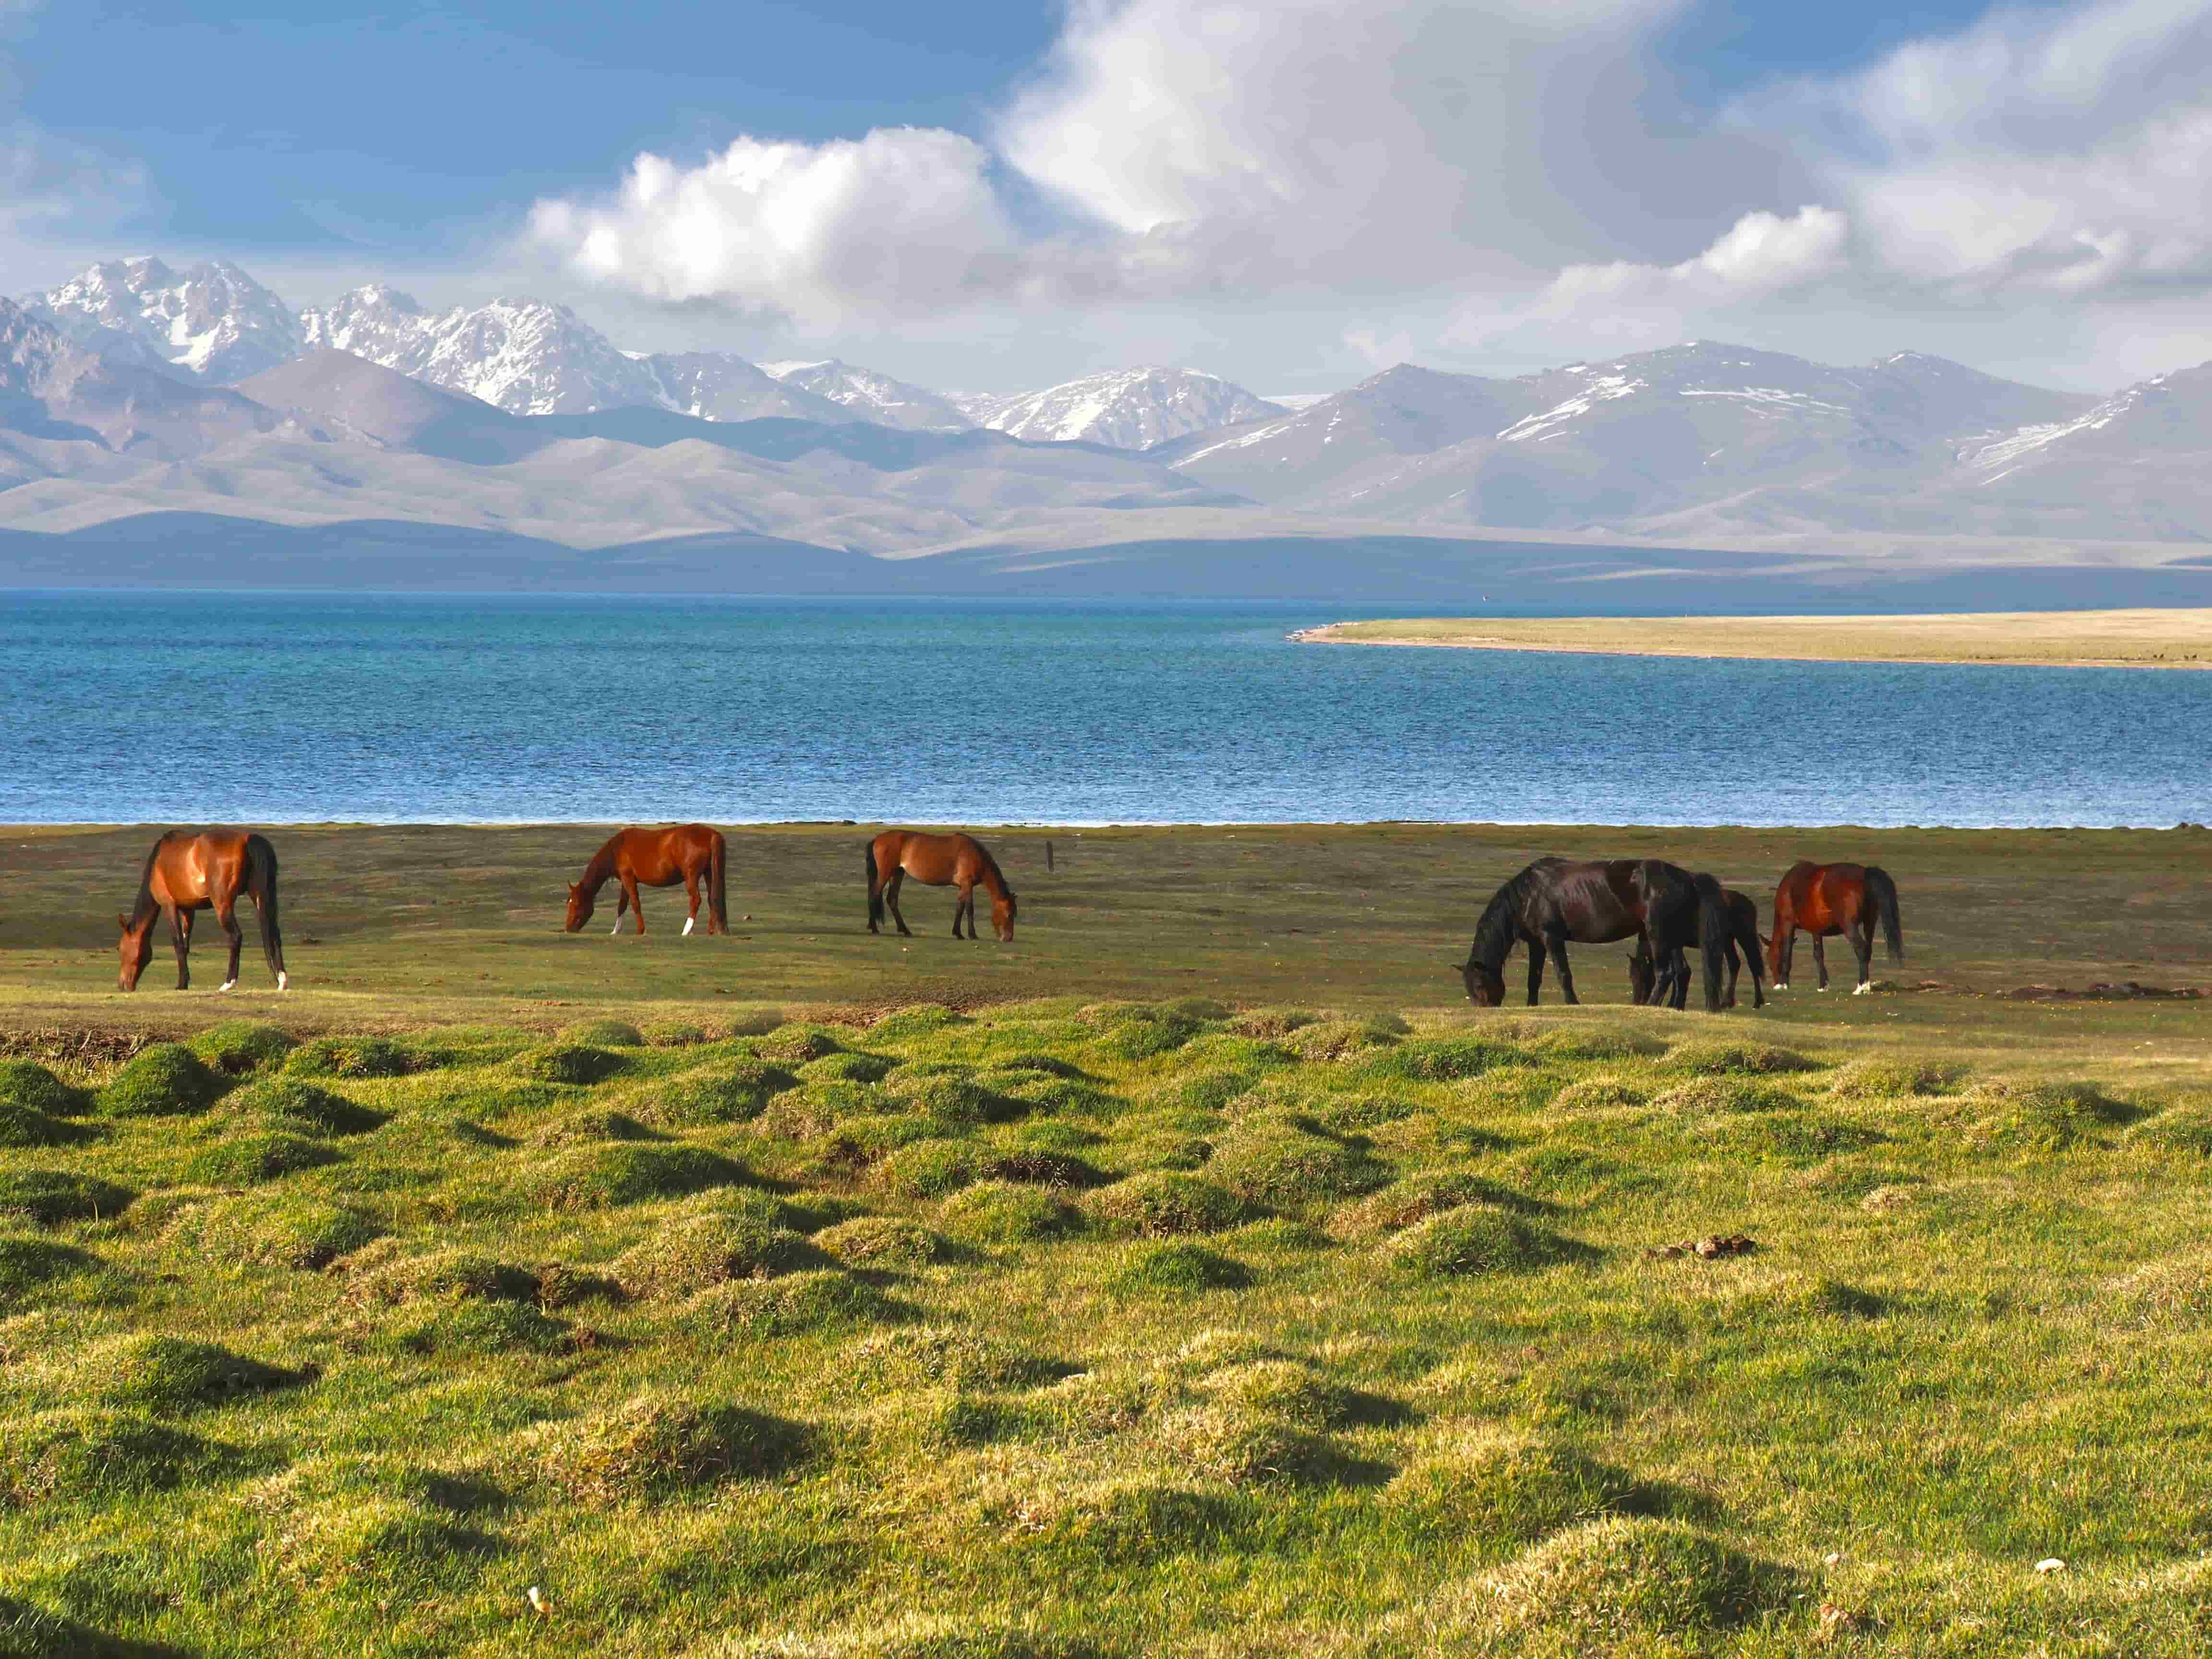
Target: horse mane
[[602, 866], [994, 878], [143, 905], [1499, 930]]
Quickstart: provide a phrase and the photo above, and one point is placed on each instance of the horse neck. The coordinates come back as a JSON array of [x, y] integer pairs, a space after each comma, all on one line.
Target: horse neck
[[602, 866], [994, 883], [1494, 935]]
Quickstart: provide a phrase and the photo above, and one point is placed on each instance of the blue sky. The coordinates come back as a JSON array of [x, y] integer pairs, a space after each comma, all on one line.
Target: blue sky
[[1294, 190]]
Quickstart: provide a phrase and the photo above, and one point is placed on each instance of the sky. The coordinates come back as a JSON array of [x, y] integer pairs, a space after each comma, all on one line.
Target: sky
[[1295, 194]]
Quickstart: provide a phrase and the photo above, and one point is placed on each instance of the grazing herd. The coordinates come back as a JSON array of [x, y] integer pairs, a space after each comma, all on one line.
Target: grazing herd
[[1667, 910]]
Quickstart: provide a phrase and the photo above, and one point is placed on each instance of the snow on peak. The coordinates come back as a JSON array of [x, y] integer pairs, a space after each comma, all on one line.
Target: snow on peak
[[212, 319], [1127, 409]]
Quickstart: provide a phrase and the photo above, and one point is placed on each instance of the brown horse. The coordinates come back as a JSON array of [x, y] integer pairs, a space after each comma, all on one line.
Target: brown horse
[[193, 870], [1822, 899], [654, 858], [937, 861], [1744, 945]]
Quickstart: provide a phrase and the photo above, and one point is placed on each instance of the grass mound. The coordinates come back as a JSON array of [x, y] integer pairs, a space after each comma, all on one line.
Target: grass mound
[[67, 1457], [626, 1172], [1336, 1039], [27, 1085], [1003, 1213], [1799, 1137], [733, 1090], [1595, 1042], [918, 1019], [351, 1057], [1474, 1239], [442, 1275], [1179, 1265], [1208, 1089], [1138, 1030], [1624, 1579], [1723, 1093], [1888, 1078], [568, 1062], [580, 1126], [29, 1263], [688, 1256], [240, 1046], [1443, 1060], [1418, 1197], [604, 1034], [1600, 1093], [1277, 1166], [929, 1168], [847, 1067], [1272, 1025], [466, 1326], [1126, 1523], [2044, 1117], [1285, 1389], [292, 1103], [958, 1100], [881, 1241], [943, 1356], [818, 1299], [165, 1079], [1723, 1059], [1242, 1448], [249, 1160], [25, 1126], [287, 1231], [1504, 1492], [50, 1197], [2174, 1291], [169, 1375], [1165, 1204], [794, 1045], [2185, 1127], [1040, 1166], [657, 1447]]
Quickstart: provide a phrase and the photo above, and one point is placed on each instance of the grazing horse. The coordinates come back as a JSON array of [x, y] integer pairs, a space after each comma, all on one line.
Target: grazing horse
[[1834, 898], [654, 858], [1744, 945], [953, 861], [1555, 900], [193, 870]]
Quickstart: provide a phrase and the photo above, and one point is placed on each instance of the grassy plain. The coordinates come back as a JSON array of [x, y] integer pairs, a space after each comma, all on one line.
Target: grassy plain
[[797, 1293], [2048, 638]]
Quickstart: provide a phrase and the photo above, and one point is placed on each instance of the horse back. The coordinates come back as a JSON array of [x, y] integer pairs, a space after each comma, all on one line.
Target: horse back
[[191, 868]]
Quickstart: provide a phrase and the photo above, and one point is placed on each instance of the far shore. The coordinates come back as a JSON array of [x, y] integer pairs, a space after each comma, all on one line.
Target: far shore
[[2041, 639]]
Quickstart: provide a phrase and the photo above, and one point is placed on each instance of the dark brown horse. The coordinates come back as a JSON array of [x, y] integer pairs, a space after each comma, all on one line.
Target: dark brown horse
[[654, 858], [1744, 945], [1822, 899], [192, 870], [954, 860], [1663, 906]]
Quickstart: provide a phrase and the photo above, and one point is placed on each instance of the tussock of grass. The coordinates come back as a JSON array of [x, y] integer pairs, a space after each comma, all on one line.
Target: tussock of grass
[[248, 1160], [657, 1447], [918, 1019], [1208, 1090], [72, 1455], [2042, 1117], [240, 1046], [580, 1126], [30, 1086], [684, 1257], [1138, 1030], [1165, 1204], [28, 1264], [441, 1275], [733, 1090], [960, 1100], [168, 1375], [276, 1231], [384, 1545], [1272, 1024], [928, 1169], [2174, 1291], [1627, 1579], [791, 1046], [569, 1062], [50, 1197], [2183, 1128], [467, 1326], [1282, 1388], [1037, 1167], [604, 1034], [1179, 1265], [1335, 1039], [1884, 1077], [626, 1172], [23, 1125], [163, 1080], [1723, 1059], [1600, 1093], [1474, 1239], [1500, 1491], [1241, 1448], [1800, 1137], [351, 1057], [816, 1300], [1136, 1523], [881, 1241], [942, 1356], [1279, 1167], [998, 1213], [291, 1104], [1595, 1043], [1723, 1093], [1418, 1197], [1442, 1059], [847, 1067]]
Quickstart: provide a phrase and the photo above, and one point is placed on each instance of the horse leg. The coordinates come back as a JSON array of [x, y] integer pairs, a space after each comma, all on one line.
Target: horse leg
[[226, 917], [1678, 967], [1784, 954], [691, 892], [965, 905], [890, 898], [1820, 961], [636, 908], [1559, 946], [1861, 942], [1535, 968], [180, 937], [1735, 967]]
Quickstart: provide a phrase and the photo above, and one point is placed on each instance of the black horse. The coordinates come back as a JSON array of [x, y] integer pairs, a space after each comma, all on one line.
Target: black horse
[[1663, 906], [1744, 945]]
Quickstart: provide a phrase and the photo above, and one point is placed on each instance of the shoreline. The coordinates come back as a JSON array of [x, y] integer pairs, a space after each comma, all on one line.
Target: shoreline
[[2135, 638]]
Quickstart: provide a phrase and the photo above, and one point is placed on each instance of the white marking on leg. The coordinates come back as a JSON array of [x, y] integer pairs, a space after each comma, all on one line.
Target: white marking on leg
[[1861, 989], [283, 980], [1781, 984], [226, 985], [616, 928], [688, 920]]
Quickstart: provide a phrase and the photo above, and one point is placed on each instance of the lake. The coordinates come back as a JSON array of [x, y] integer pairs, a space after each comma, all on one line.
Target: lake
[[281, 708]]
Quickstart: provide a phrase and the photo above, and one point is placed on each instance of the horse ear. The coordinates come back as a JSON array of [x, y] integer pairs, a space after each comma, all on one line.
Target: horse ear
[[123, 922]]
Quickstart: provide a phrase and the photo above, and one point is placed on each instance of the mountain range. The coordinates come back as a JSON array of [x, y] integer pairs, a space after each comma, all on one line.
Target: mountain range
[[136, 391]]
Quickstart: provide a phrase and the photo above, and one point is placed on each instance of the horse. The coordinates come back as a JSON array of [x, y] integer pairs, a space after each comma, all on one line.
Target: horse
[[1822, 899], [653, 858], [1744, 945], [192, 870], [1554, 900], [954, 860]]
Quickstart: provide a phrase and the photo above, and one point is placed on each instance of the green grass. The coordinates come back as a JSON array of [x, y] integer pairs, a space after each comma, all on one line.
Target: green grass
[[1064, 1328]]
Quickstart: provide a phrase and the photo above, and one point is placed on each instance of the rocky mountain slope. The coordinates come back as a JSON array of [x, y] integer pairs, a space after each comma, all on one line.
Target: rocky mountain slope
[[1129, 409], [872, 396], [212, 320]]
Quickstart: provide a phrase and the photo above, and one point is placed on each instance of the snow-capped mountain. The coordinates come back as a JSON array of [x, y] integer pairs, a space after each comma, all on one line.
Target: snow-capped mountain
[[212, 320], [1128, 408], [872, 396]]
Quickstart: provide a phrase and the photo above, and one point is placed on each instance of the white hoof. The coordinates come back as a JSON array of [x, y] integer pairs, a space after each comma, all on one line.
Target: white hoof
[[688, 920], [283, 980], [1781, 984], [226, 985], [1861, 990], [616, 928]]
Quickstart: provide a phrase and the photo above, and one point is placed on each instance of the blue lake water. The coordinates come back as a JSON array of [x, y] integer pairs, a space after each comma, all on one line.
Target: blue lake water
[[184, 707]]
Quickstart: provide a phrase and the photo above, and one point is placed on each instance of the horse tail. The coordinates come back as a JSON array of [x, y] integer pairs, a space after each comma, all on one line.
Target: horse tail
[[875, 886], [718, 909], [261, 882], [1883, 891], [1714, 927]]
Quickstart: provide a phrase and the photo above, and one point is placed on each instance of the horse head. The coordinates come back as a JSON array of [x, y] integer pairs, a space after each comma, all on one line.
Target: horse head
[[135, 948], [1002, 916], [580, 907], [1486, 986], [1640, 977]]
